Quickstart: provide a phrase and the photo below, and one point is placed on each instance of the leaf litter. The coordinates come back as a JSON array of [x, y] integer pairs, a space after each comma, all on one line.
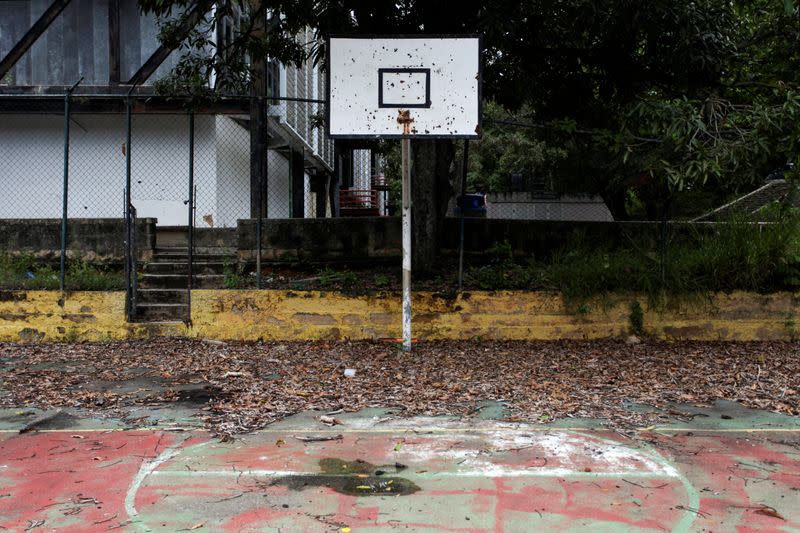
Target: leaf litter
[[241, 386]]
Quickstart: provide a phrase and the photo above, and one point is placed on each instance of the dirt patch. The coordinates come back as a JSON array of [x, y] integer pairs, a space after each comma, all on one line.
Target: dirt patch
[[239, 387]]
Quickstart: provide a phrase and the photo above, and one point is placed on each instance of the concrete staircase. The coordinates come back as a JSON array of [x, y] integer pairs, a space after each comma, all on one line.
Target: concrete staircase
[[162, 291]]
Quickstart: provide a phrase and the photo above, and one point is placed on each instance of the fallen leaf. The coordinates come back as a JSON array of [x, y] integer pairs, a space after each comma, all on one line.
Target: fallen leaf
[[329, 420], [769, 511]]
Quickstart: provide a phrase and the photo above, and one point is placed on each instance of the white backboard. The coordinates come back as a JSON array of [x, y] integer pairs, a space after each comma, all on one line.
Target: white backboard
[[372, 78]]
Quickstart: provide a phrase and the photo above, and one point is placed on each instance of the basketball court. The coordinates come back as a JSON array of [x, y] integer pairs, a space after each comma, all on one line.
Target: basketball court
[[376, 473]]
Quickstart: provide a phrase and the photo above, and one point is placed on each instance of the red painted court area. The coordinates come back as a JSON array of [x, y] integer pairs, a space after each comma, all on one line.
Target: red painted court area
[[488, 479]]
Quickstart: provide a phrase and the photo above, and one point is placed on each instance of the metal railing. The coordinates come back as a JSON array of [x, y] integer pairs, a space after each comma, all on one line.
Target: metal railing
[[359, 202]]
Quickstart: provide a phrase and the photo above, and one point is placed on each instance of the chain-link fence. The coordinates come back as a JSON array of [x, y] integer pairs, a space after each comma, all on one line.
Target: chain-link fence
[[529, 222], [32, 139], [549, 211]]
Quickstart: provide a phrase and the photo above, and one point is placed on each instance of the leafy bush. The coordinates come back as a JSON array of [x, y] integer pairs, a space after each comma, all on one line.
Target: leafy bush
[[739, 255], [26, 272]]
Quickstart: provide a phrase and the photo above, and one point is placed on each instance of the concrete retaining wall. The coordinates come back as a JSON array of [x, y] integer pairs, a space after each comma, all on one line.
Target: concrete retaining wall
[[98, 240], [287, 315], [369, 238], [321, 239]]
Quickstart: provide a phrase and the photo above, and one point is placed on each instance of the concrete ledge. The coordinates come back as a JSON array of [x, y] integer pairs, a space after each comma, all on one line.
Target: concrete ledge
[[321, 240], [97, 240], [37, 316]]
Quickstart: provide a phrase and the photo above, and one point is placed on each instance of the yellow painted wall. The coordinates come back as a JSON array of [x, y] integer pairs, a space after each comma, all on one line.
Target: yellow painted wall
[[40, 315], [287, 315]]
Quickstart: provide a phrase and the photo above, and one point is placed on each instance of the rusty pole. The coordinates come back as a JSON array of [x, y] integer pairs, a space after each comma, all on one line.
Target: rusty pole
[[405, 119]]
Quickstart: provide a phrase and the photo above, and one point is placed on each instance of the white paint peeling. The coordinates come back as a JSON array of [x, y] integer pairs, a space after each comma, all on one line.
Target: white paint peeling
[[562, 454]]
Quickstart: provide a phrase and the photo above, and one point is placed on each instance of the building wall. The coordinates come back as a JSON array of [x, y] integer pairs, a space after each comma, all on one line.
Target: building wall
[[233, 173], [526, 206], [32, 173], [76, 43]]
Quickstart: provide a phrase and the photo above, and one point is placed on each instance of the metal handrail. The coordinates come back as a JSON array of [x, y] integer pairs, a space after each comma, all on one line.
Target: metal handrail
[[358, 198]]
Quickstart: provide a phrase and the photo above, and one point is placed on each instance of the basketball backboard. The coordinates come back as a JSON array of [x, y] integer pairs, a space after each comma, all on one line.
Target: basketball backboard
[[372, 78]]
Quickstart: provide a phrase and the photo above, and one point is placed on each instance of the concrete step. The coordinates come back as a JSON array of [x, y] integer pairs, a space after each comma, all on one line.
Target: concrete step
[[182, 267], [171, 236], [162, 328], [182, 256], [161, 296], [180, 281], [178, 236], [152, 312], [214, 250]]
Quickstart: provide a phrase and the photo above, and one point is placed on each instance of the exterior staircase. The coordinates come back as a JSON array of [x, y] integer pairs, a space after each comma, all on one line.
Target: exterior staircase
[[161, 294]]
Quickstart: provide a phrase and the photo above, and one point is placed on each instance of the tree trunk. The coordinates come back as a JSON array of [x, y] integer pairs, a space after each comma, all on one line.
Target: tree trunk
[[430, 194], [615, 201]]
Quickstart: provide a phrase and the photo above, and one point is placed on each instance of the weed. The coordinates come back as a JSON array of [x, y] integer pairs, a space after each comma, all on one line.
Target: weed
[[233, 278], [636, 318], [84, 276], [71, 335], [330, 278], [26, 272], [791, 326]]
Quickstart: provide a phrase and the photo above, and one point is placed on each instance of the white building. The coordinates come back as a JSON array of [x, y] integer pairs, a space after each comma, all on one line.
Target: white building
[[79, 42]]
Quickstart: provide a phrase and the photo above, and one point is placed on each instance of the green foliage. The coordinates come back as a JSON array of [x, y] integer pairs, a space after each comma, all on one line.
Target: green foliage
[[740, 255], [503, 272], [504, 150], [330, 278], [636, 318], [233, 278], [26, 272], [82, 275], [658, 98], [382, 280]]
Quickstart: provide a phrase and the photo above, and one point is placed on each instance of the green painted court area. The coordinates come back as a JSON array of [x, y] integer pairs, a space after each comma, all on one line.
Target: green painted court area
[[726, 469]]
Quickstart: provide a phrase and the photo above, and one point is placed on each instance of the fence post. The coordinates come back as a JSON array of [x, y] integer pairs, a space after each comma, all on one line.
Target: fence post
[[291, 182], [190, 247], [65, 192], [263, 160], [663, 239], [130, 271]]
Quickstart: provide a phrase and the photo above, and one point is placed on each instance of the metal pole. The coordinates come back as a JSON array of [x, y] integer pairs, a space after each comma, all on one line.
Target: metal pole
[[130, 272], [406, 149], [65, 193], [259, 222], [463, 193], [663, 239], [291, 182], [127, 252], [190, 249]]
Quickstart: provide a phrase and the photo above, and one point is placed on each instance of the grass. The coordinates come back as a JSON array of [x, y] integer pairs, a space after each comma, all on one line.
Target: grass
[[233, 278], [737, 256], [18, 272]]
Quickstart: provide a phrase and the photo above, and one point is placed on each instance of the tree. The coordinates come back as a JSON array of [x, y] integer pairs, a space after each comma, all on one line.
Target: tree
[[231, 71], [646, 98]]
